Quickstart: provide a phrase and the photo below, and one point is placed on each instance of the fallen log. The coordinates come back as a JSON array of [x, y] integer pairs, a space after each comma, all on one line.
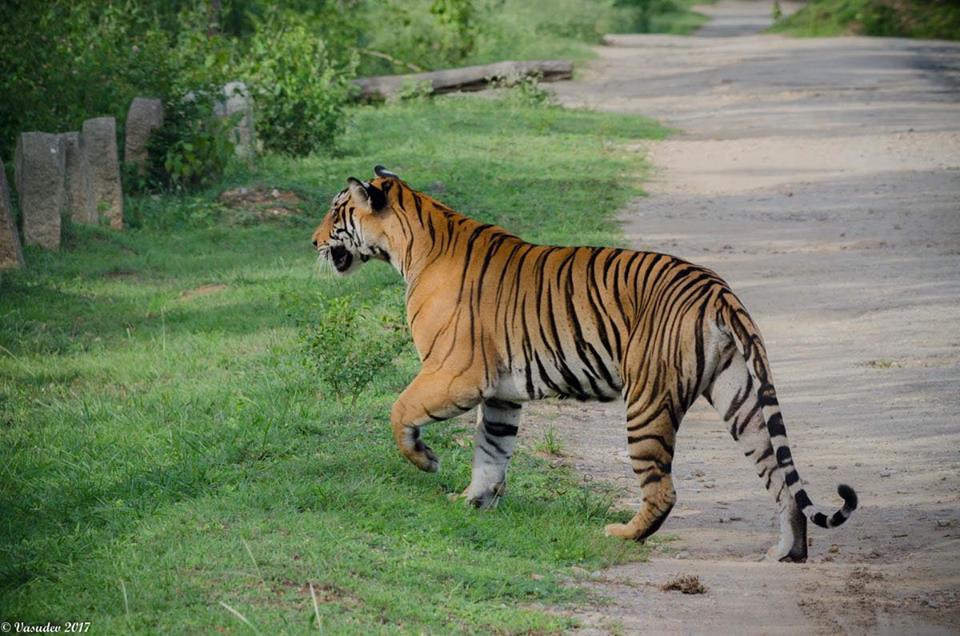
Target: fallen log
[[467, 78]]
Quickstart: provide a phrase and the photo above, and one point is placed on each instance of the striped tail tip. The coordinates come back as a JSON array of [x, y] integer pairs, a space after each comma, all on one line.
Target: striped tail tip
[[849, 497]]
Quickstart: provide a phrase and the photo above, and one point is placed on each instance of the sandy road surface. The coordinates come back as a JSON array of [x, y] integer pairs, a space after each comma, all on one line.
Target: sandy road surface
[[821, 178]]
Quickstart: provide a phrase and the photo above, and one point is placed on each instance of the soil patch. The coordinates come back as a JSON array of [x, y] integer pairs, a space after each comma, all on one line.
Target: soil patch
[[261, 203]]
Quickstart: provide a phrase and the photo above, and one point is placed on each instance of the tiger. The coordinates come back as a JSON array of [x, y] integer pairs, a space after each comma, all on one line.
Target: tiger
[[497, 321]]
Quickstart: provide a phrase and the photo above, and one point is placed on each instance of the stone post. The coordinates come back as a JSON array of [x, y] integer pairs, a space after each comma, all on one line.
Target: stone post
[[98, 149], [75, 204], [11, 256], [145, 114], [238, 100], [39, 176]]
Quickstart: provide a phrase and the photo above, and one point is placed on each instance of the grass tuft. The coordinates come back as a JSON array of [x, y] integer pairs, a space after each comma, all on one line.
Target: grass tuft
[[550, 443]]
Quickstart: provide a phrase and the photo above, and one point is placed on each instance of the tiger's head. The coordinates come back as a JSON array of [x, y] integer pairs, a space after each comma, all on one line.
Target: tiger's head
[[359, 225]]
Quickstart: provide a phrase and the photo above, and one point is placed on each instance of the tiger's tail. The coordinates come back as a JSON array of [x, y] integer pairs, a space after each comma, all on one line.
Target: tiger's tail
[[746, 337]]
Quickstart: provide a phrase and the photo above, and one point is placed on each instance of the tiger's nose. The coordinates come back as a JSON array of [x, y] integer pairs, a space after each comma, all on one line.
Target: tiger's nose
[[316, 242]]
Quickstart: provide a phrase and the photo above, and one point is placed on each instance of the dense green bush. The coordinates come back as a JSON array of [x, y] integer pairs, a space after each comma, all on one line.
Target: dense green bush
[[193, 146], [938, 19], [642, 12], [63, 61], [299, 90]]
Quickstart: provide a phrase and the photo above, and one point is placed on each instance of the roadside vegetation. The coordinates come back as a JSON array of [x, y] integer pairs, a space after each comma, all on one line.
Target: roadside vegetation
[[63, 61], [194, 419], [929, 19]]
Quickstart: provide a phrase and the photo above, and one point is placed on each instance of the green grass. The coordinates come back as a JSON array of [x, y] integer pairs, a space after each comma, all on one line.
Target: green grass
[[934, 19], [164, 457]]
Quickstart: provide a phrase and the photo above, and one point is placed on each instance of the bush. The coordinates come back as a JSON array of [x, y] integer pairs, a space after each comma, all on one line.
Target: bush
[[351, 343], [299, 90], [643, 12], [193, 147], [62, 63], [910, 18], [428, 34], [525, 90]]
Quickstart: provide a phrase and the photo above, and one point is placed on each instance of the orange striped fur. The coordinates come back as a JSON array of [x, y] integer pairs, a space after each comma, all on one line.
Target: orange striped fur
[[498, 321]]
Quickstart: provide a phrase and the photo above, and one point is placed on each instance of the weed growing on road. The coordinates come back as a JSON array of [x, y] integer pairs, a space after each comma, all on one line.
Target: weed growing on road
[[550, 444]]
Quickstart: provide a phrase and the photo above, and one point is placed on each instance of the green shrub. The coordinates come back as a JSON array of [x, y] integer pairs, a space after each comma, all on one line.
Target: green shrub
[[429, 34], [299, 90], [62, 63], [193, 146], [939, 19], [643, 12], [525, 90], [458, 33], [351, 343]]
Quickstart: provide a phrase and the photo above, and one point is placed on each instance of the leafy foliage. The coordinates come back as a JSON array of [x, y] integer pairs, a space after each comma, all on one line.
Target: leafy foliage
[[350, 343], [525, 90], [936, 19], [63, 61], [191, 149], [299, 90]]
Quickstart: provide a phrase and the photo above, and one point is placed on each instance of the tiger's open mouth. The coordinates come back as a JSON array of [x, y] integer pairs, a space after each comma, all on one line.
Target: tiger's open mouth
[[341, 258]]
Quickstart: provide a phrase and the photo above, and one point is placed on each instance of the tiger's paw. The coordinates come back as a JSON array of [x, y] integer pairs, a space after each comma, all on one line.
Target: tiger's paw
[[797, 554], [424, 458], [622, 531], [486, 498]]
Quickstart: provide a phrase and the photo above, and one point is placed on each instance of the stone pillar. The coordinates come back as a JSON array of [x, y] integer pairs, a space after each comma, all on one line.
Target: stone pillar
[[75, 205], [98, 150], [39, 176], [11, 256], [145, 114], [238, 100]]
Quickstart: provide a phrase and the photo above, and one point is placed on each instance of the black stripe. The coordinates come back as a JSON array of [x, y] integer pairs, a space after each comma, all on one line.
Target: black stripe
[[784, 458], [657, 438], [504, 405], [499, 429], [775, 425], [766, 453], [495, 444]]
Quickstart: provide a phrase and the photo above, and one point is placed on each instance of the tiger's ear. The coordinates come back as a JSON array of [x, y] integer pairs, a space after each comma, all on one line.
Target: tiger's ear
[[382, 172], [366, 195]]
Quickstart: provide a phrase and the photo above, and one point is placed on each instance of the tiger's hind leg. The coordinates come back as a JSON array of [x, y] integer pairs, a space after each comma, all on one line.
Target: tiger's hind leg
[[651, 431], [733, 393], [496, 438]]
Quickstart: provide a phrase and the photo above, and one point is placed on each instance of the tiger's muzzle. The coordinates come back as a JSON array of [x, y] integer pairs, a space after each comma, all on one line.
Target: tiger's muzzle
[[341, 257]]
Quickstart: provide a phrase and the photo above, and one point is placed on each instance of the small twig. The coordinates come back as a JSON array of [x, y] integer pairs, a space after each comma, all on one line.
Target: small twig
[[126, 601], [316, 608], [390, 58], [250, 552], [241, 617]]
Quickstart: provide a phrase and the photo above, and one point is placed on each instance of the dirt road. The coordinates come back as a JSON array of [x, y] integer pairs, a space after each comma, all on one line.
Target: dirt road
[[821, 178]]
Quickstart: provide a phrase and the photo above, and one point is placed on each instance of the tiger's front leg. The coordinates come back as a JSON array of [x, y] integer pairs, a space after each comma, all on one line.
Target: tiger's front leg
[[496, 438], [431, 397]]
